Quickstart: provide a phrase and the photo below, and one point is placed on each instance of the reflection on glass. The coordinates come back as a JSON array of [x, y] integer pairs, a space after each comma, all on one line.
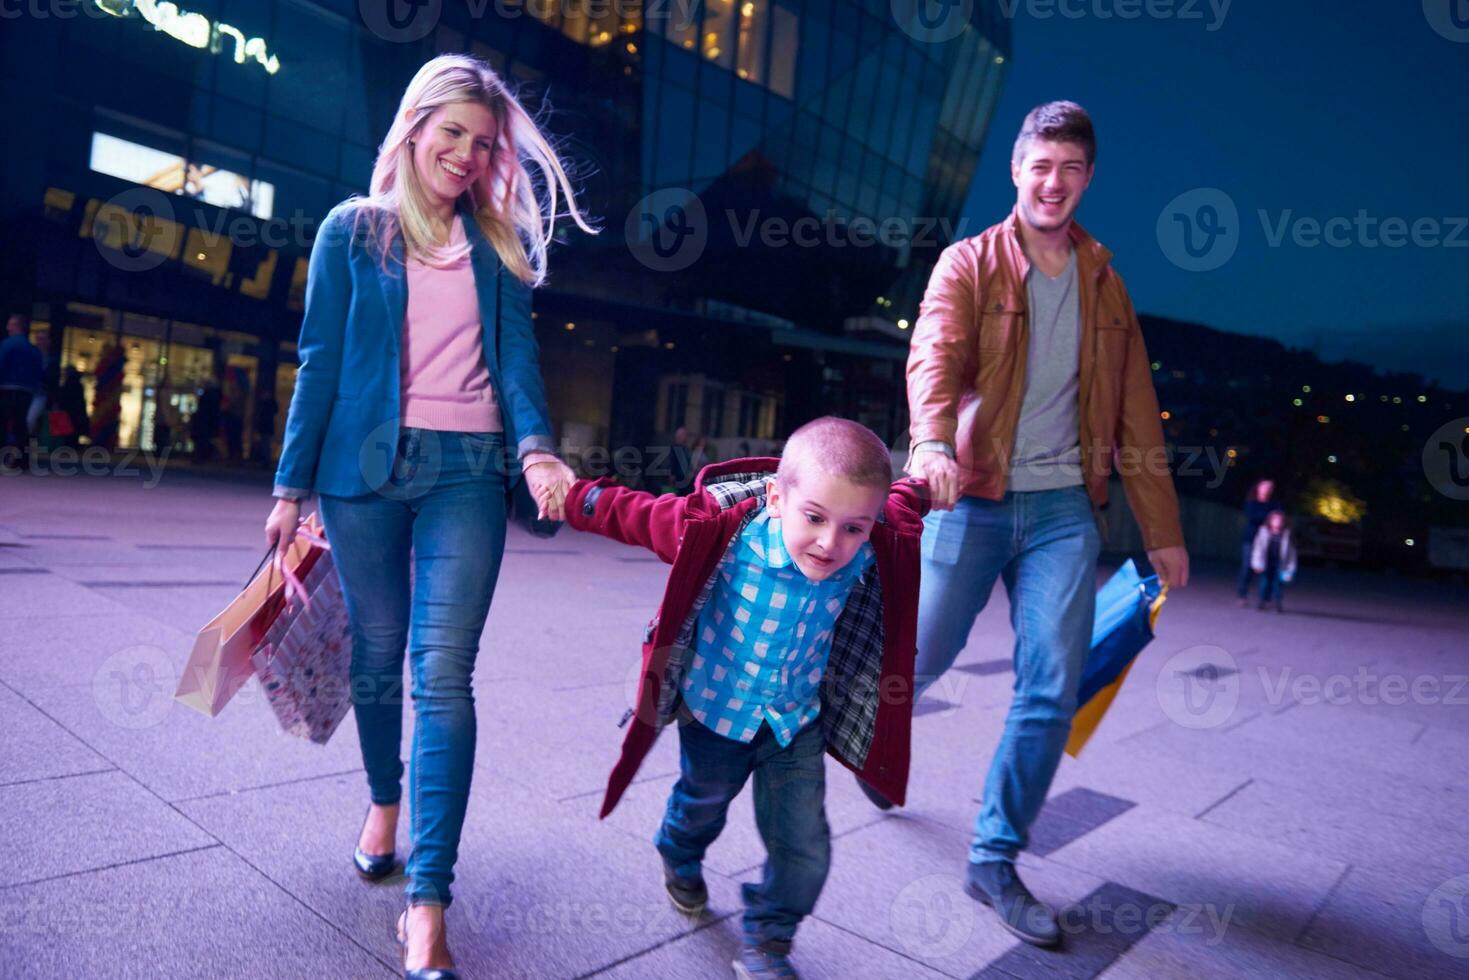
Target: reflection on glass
[[717, 40], [754, 15], [173, 174], [682, 23], [783, 38]]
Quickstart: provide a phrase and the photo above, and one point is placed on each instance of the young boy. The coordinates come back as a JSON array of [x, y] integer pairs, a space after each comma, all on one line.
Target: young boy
[[786, 629]]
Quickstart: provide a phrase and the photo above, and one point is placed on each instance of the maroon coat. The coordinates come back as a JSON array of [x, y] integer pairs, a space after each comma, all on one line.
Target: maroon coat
[[867, 691]]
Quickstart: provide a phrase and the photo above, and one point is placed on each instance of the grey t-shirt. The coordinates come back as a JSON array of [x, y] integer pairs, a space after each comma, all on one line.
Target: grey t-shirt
[[1047, 453]]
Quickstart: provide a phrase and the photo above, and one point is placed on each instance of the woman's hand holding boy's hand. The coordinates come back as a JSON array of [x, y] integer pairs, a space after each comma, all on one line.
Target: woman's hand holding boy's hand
[[550, 482]]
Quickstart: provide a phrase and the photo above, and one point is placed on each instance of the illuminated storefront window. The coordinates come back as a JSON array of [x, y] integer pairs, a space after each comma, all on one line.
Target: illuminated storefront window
[[167, 365]]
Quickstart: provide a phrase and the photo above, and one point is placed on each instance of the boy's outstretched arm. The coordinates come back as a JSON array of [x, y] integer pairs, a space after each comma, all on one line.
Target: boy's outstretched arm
[[631, 516]]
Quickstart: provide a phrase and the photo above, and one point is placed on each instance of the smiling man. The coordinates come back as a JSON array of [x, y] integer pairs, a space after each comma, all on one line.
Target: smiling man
[[1027, 374]]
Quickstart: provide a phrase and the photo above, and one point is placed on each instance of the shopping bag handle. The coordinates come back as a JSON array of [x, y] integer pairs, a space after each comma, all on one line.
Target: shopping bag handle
[[269, 550], [293, 582]]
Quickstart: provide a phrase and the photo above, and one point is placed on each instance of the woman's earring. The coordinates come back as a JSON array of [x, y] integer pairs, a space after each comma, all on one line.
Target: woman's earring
[[411, 143]]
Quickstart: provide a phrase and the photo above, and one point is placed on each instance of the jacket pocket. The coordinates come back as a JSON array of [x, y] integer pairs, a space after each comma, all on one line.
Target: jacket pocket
[[999, 322]]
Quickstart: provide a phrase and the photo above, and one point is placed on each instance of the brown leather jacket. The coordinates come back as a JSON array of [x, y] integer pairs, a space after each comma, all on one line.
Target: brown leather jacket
[[966, 375]]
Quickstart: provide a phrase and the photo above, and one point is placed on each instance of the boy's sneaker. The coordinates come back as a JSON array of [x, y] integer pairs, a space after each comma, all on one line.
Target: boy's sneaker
[[1025, 917], [689, 895], [761, 964]]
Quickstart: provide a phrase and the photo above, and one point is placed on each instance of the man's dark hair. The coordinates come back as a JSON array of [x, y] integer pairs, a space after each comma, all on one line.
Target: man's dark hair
[[1057, 122]]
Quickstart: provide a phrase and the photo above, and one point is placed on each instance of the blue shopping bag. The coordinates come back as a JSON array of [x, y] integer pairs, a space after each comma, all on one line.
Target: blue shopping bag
[[1127, 610]]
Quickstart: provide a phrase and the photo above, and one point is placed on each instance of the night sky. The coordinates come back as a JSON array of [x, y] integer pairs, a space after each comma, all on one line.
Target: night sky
[[1302, 108]]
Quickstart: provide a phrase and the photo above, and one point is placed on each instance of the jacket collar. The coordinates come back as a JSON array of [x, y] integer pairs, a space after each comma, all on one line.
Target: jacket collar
[[736, 471], [762, 538], [1091, 255]]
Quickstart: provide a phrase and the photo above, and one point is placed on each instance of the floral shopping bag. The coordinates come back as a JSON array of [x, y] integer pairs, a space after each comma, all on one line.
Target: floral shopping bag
[[304, 661]]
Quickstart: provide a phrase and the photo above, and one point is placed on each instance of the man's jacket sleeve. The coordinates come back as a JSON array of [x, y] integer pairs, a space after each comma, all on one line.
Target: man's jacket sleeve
[[1148, 485], [633, 517], [942, 359]]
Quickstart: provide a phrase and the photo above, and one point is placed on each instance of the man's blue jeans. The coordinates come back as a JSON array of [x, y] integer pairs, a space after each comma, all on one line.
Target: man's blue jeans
[[790, 810], [1044, 545], [418, 562]]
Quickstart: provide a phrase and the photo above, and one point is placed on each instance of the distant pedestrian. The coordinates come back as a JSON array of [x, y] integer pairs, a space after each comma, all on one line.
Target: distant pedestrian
[[1273, 558], [1258, 506], [232, 416], [46, 394], [680, 476], [266, 408], [71, 398], [204, 425], [21, 379]]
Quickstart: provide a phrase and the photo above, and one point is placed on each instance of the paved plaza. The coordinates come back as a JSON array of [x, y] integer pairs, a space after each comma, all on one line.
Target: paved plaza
[[1271, 795]]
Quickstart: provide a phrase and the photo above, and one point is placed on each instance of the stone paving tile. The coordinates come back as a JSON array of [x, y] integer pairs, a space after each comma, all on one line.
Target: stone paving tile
[[1353, 834], [178, 752], [537, 893], [25, 594], [1402, 925], [35, 747], [66, 650], [62, 826], [1097, 930], [1069, 815], [821, 952], [1330, 777], [900, 883], [165, 918], [1266, 886], [1190, 944]]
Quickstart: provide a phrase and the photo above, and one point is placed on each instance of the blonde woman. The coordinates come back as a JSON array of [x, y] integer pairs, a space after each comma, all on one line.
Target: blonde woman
[[419, 402]]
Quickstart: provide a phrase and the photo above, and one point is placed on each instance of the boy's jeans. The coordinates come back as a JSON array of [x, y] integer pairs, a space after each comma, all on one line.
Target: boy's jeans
[[790, 792], [1272, 589], [1044, 544], [444, 507]]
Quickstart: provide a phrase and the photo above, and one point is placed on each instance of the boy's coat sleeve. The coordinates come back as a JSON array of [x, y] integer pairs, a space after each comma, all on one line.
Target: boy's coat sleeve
[[631, 516]]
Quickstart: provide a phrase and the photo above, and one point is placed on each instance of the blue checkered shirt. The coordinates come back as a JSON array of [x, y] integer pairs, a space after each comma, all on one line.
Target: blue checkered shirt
[[764, 637]]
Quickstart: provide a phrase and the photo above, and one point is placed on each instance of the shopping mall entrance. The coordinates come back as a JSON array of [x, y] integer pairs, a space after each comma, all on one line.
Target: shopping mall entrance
[[158, 384]]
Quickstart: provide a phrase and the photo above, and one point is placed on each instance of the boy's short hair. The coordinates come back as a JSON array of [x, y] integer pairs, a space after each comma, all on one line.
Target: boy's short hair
[[1057, 122], [839, 447]]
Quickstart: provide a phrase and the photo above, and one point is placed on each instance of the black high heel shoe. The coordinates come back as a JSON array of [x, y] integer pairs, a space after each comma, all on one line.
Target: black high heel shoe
[[373, 867], [422, 973]]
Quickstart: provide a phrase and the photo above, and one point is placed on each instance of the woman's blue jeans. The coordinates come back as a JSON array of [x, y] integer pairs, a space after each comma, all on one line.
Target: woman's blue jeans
[[418, 561], [1044, 545]]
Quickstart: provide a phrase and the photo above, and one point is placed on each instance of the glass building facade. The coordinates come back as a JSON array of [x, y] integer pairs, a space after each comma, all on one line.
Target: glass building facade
[[170, 162]]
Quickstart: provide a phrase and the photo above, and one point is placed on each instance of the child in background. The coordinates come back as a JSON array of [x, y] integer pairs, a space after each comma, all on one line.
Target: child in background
[[1274, 558], [787, 630]]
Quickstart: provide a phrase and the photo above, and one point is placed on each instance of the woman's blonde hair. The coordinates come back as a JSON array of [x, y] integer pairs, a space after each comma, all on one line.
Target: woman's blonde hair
[[516, 212]]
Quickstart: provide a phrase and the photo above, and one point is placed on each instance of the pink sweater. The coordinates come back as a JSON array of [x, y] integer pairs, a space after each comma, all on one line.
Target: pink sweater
[[445, 381]]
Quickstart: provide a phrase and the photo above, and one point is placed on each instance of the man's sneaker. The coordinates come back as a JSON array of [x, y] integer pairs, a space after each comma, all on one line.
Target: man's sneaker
[[996, 884], [874, 797], [761, 964], [689, 895]]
